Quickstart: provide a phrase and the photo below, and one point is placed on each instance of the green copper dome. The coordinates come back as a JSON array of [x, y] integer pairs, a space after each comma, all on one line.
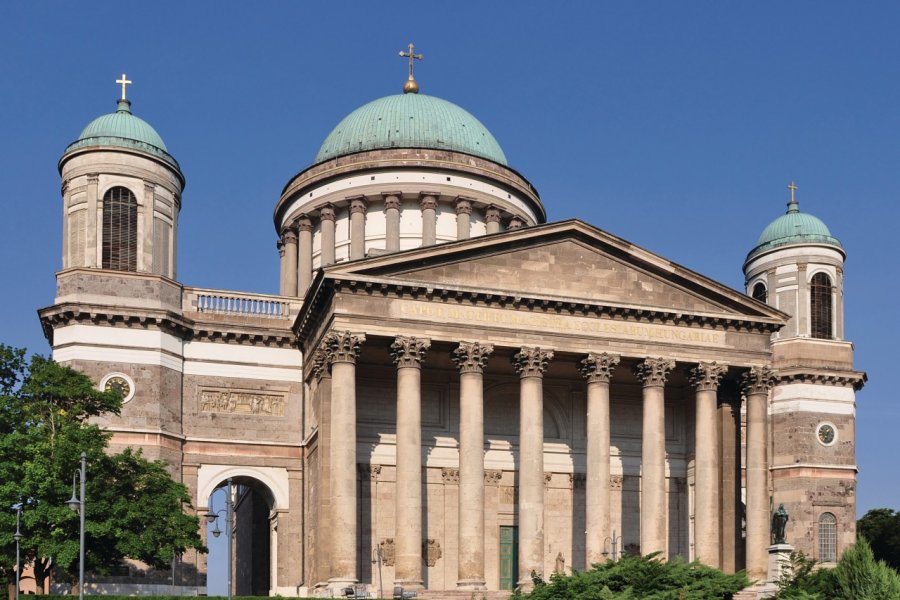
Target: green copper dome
[[124, 130], [411, 121], [792, 228]]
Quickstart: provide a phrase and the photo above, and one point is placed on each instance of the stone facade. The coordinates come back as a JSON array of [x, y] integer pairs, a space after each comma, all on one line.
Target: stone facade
[[450, 393]]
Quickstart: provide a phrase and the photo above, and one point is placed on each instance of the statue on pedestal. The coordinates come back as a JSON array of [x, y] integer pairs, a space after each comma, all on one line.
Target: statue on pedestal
[[779, 522]]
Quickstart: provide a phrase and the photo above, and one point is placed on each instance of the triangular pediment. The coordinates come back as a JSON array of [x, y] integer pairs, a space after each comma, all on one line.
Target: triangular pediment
[[566, 260]]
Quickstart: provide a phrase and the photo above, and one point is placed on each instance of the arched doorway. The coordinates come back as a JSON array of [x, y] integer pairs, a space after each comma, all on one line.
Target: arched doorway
[[252, 542]]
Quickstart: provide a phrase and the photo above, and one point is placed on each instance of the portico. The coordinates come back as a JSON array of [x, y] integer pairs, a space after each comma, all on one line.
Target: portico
[[629, 396]]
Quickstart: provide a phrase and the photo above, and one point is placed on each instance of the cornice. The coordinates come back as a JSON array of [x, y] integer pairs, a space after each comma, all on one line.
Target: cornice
[[325, 286], [185, 328], [854, 379]]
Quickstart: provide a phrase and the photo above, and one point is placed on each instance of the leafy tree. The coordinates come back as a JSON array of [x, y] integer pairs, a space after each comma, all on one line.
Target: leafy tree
[[881, 528], [643, 577], [133, 507]]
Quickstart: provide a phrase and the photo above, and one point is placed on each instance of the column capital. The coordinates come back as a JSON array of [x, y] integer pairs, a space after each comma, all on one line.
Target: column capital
[[304, 223], [470, 357], [326, 213], [463, 205], [653, 372], [321, 362], [429, 200], [149, 187], [515, 223], [358, 204], [758, 380], [409, 351], [391, 200], [93, 178], [343, 346], [598, 368], [492, 214], [289, 235], [532, 362], [706, 376], [280, 246]]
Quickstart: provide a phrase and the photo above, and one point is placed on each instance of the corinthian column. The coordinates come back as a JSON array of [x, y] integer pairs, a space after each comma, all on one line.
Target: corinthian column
[[463, 217], [470, 358], [343, 350], [705, 378], [321, 388], [408, 354], [429, 204], [289, 237], [757, 382], [304, 251], [530, 364], [392, 221], [358, 208], [652, 373], [597, 369], [326, 222]]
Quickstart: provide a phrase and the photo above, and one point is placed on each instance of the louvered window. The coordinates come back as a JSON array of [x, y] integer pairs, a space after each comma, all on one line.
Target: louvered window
[[827, 538], [820, 306], [759, 292], [120, 230]]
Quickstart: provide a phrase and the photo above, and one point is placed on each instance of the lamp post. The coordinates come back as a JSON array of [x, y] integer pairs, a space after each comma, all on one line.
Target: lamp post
[[18, 537], [377, 559], [613, 541], [76, 503], [213, 517]]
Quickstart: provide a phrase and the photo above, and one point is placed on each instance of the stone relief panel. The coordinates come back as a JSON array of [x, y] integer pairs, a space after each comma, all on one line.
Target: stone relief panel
[[387, 552], [213, 400]]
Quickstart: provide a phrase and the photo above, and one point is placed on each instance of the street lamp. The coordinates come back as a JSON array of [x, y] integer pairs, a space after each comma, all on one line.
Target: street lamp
[[213, 517], [76, 503], [377, 559], [18, 537], [614, 541]]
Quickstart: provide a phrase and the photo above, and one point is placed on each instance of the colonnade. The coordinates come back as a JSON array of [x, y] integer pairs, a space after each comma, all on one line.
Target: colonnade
[[340, 350], [296, 244]]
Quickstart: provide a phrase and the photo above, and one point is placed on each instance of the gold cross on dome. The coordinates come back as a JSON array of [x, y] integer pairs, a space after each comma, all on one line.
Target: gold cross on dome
[[793, 188], [124, 81], [411, 56]]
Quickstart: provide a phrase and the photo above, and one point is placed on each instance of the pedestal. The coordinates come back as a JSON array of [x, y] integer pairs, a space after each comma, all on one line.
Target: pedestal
[[779, 562]]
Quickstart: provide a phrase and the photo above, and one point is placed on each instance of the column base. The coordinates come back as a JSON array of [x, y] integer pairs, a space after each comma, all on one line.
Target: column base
[[471, 585], [337, 584]]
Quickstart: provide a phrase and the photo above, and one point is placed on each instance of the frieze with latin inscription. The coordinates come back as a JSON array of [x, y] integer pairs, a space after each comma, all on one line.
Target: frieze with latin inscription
[[241, 402], [558, 323]]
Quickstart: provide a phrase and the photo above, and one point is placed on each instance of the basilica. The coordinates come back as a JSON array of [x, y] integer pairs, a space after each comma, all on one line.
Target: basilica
[[450, 392]]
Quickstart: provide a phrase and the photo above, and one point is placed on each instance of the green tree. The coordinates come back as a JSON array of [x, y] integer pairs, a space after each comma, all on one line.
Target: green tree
[[133, 507], [881, 528], [643, 577], [860, 576]]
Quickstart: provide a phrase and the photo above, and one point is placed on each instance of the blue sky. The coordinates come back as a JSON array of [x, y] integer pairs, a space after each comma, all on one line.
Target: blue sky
[[674, 125]]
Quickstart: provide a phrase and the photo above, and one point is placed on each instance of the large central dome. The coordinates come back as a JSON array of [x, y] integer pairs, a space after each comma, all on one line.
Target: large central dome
[[411, 121]]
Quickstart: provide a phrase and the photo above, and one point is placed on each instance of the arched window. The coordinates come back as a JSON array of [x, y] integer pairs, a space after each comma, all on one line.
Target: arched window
[[820, 306], [827, 538], [120, 230], [759, 291]]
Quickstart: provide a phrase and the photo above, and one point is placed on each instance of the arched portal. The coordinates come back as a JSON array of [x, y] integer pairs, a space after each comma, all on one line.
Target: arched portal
[[253, 539]]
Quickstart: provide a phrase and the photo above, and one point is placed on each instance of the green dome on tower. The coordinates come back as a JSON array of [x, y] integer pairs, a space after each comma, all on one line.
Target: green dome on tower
[[411, 120], [791, 228], [124, 130]]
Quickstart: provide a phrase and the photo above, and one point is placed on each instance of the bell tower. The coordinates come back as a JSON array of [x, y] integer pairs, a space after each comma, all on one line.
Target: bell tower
[[797, 266], [121, 194]]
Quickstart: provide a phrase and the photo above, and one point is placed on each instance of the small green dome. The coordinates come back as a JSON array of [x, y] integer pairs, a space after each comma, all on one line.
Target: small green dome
[[124, 130], [792, 228], [411, 121]]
